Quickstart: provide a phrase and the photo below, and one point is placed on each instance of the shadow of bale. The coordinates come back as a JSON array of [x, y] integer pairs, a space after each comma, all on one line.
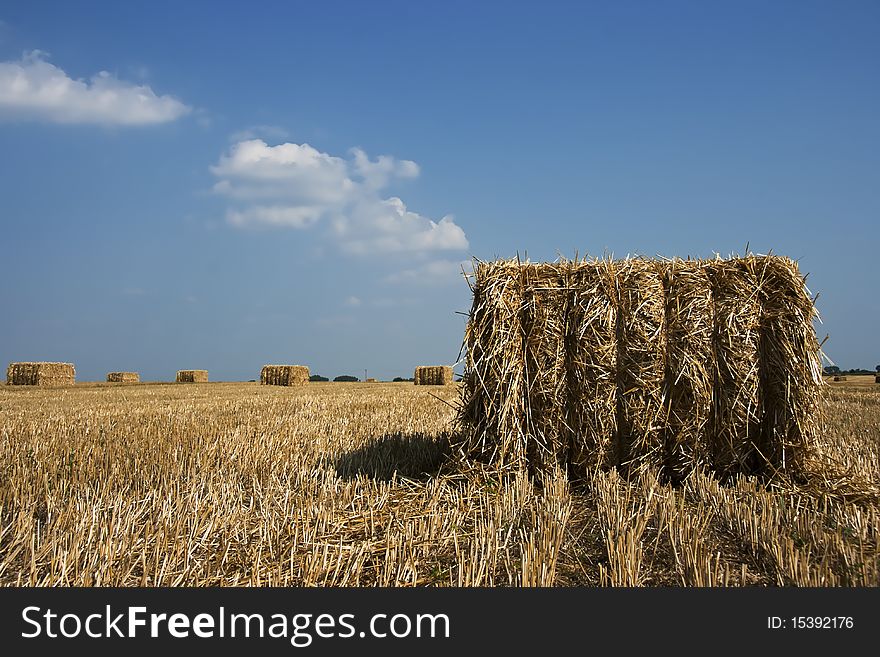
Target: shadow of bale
[[409, 455]]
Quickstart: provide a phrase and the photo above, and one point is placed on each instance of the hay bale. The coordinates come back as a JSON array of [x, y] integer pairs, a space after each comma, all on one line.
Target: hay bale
[[284, 375], [877, 378], [591, 365], [736, 412], [640, 363], [192, 376], [791, 370], [372, 380], [544, 292], [123, 377], [492, 393], [673, 363], [842, 378], [433, 375], [688, 367], [40, 374]]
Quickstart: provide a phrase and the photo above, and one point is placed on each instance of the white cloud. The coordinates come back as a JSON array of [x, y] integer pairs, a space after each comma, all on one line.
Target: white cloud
[[32, 88], [298, 186], [352, 302], [377, 174], [296, 173]]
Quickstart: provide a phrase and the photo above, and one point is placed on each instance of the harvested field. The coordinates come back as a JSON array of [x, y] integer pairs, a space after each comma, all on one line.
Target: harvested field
[[357, 485]]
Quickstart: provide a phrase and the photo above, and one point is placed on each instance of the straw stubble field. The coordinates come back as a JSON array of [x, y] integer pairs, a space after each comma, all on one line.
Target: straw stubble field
[[357, 485]]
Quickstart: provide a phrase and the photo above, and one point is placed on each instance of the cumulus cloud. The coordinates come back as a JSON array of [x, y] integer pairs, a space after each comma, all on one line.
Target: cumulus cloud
[[298, 186], [32, 88]]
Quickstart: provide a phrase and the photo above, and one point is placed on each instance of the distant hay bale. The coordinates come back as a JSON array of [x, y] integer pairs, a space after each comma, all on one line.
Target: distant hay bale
[[433, 375], [284, 375], [672, 363], [877, 378], [841, 378], [192, 376], [123, 377], [40, 374], [372, 380]]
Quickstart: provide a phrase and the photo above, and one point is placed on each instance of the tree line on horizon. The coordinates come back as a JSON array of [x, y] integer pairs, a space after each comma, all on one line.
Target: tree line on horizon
[[347, 378], [834, 369]]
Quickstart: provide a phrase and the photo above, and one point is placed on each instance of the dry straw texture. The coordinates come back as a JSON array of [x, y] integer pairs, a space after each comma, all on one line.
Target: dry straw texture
[[192, 376], [123, 377], [346, 485], [40, 374], [670, 363], [433, 375], [284, 375]]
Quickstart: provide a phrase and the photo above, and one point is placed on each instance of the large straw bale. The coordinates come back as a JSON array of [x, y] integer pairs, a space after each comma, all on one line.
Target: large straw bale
[[689, 372], [433, 375], [40, 374], [492, 391], [591, 359], [543, 320], [674, 363], [737, 406], [192, 376], [284, 375], [640, 357], [123, 377], [791, 369]]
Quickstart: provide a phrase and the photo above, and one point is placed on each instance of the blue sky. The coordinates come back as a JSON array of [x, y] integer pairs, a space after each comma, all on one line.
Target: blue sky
[[190, 185]]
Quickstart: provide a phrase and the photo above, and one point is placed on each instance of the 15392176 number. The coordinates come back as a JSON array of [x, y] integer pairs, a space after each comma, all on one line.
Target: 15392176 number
[[821, 622]]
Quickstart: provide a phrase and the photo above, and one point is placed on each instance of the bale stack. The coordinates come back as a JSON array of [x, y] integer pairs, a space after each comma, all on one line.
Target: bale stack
[[192, 376], [433, 375], [123, 377], [877, 378], [284, 375], [40, 374], [674, 363]]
